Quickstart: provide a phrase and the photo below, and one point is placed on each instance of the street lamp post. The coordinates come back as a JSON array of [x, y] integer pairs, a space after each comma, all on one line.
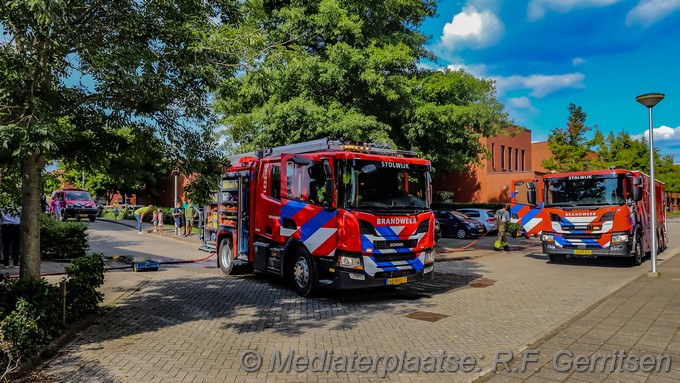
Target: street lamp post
[[649, 100]]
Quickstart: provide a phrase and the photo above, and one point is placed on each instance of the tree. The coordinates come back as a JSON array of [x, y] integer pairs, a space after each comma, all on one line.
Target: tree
[[74, 70], [569, 146], [348, 69]]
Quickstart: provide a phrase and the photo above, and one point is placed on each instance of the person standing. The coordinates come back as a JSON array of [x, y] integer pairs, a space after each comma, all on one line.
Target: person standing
[[189, 214], [160, 220], [10, 237], [139, 216], [502, 218], [155, 220], [177, 217], [116, 210]]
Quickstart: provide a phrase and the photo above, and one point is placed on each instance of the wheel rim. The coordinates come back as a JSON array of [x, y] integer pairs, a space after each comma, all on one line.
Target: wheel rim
[[301, 272], [225, 256], [638, 251], [461, 233]]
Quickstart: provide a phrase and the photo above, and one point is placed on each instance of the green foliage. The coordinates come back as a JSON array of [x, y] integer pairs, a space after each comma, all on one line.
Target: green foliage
[[21, 328], [85, 276], [513, 229], [30, 313], [349, 70], [445, 195], [62, 240], [569, 145]]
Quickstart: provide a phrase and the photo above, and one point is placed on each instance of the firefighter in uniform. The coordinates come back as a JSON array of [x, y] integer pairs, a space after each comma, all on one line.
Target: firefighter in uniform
[[502, 218]]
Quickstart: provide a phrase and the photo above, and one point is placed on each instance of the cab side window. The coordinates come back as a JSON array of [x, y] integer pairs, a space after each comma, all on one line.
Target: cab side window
[[275, 177]]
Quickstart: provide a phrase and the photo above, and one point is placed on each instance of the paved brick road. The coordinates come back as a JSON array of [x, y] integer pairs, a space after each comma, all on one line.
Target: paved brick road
[[192, 324]]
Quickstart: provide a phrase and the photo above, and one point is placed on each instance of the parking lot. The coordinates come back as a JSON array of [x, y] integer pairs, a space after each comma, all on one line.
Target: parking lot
[[193, 324]]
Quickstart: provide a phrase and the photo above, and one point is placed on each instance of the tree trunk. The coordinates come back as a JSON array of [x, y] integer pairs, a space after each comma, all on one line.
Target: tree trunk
[[31, 214]]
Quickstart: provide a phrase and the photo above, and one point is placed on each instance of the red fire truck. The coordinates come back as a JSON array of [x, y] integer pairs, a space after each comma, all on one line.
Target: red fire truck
[[601, 213], [327, 214]]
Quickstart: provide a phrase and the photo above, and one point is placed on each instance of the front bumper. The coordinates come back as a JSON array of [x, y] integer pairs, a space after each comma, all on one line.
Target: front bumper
[[617, 250], [345, 279], [79, 211]]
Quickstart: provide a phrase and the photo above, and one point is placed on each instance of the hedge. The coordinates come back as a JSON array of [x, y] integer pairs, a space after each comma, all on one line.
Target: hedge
[[62, 240]]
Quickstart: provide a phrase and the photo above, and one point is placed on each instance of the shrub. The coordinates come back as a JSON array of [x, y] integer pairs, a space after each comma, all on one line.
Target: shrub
[[62, 240], [21, 329], [84, 277]]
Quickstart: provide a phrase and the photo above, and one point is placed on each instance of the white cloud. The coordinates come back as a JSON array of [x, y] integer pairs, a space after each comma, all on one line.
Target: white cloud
[[662, 133], [520, 102], [540, 85], [577, 61], [479, 70], [538, 8], [472, 29], [647, 12]]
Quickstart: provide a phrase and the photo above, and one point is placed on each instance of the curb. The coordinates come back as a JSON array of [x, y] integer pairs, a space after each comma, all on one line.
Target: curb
[[486, 374]]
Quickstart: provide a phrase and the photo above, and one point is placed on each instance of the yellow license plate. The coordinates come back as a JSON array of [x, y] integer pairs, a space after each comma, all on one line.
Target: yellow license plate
[[83, 215], [583, 252], [397, 281]]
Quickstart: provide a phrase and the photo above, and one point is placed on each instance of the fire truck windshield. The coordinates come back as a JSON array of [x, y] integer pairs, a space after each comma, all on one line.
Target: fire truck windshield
[[383, 185], [585, 190]]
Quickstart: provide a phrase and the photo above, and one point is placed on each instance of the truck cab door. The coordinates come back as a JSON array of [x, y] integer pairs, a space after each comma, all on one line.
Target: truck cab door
[[308, 211], [526, 205]]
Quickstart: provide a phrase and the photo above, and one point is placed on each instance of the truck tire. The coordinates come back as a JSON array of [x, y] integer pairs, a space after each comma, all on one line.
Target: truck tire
[[303, 273], [225, 257], [557, 258], [639, 254]]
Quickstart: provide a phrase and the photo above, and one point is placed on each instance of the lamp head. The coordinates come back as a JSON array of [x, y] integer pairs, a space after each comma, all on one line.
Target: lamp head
[[650, 99]]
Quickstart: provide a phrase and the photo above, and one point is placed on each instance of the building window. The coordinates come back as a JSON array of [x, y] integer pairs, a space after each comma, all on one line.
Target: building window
[[493, 156], [516, 158], [509, 158], [502, 157], [522, 159]]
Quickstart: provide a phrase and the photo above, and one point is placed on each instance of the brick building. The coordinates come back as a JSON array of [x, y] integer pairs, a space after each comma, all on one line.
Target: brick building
[[513, 158]]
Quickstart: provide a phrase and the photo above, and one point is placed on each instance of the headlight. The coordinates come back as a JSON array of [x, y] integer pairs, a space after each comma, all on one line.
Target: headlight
[[548, 237], [428, 257], [619, 238], [351, 262]]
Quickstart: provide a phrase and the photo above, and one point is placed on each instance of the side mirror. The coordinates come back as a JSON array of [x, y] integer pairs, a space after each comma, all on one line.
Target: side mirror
[[329, 193], [368, 169], [327, 171], [637, 193], [531, 197], [302, 161]]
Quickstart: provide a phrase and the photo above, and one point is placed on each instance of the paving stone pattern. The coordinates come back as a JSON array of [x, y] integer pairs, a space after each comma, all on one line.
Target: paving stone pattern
[[193, 324]]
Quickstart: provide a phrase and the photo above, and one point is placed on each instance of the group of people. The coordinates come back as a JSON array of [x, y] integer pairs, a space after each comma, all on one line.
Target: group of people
[[183, 215]]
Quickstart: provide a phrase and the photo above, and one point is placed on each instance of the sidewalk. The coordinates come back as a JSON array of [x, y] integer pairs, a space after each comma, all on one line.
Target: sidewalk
[[639, 320]]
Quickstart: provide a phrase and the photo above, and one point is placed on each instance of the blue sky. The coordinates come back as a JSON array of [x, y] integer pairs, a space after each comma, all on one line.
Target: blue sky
[[544, 54]]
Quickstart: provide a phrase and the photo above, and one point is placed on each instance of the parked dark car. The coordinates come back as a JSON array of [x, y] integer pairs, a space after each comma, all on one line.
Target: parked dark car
[[437, 231], [455, 224]]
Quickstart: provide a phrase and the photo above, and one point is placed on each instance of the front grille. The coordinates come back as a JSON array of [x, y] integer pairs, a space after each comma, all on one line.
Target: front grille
[[394, 257], [385, 245], [394, 274], [582, 236], [578, 228]]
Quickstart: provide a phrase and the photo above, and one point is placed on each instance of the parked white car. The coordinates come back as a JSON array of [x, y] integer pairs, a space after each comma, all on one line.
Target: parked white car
[[484, 216]]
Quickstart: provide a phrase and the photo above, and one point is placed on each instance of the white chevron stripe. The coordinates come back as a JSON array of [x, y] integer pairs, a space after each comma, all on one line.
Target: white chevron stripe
[[285, 232], [397, 229], [318, 238], [532, 223]]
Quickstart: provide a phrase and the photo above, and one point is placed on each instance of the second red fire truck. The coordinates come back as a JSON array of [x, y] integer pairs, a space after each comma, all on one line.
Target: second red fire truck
[[327, 214], [602, 213]]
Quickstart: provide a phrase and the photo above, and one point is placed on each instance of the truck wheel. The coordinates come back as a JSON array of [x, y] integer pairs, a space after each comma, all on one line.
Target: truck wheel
[[461, 234], [92, 218], [304, 273], [557, 258], [225, 258], [636, 259]]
